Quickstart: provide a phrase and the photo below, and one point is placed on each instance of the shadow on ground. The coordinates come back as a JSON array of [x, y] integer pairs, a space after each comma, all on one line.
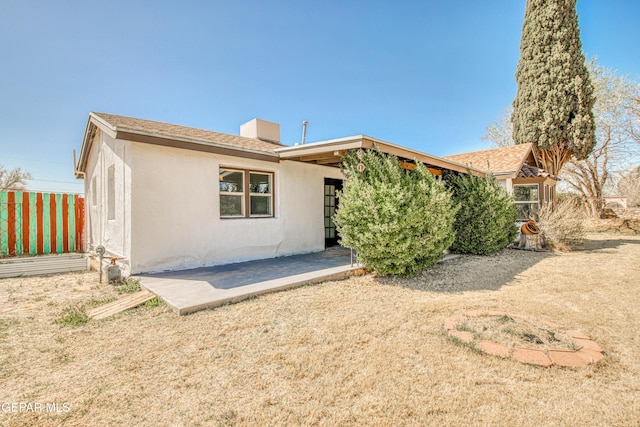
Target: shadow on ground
[[596, 243], [471, 272]]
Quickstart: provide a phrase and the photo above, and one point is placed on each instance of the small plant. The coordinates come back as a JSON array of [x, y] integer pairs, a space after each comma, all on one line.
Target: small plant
[[128, 286], [504, 319], [513, 331], [532, 338], [464, 326], [73, 316], [155, 302], [470, 345]]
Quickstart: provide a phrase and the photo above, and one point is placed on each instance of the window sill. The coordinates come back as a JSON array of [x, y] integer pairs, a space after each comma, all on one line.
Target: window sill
[[247, 217]]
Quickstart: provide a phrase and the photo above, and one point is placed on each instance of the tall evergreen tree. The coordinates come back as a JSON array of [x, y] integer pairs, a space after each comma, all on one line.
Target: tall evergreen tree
[[554, 103]]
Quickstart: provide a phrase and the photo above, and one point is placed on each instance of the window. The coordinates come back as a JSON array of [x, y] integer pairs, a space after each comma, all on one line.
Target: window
[[111, 192], [231, 193], [527, 199], [238, 200], [260, 194]]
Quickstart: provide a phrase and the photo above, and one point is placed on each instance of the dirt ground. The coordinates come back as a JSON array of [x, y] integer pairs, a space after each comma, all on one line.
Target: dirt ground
[[365, 351]]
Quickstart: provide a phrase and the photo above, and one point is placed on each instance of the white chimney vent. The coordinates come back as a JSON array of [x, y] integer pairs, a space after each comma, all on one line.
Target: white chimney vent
[[261, 129]]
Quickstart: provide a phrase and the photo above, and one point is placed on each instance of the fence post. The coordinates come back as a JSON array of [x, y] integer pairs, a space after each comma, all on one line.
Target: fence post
[[4, 224]]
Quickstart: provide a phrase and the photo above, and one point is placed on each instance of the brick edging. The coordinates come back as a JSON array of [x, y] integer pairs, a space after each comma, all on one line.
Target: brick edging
[[589, 352]]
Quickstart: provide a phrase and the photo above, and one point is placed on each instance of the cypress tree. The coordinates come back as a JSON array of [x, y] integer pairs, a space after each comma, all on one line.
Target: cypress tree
[[555, 98]]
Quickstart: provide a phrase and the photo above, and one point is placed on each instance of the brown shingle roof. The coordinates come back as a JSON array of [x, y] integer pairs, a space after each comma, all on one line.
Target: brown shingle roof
[[503, 160], [167, 130]]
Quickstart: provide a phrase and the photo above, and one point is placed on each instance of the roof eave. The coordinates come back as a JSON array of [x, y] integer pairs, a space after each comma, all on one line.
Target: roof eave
[[524, 159], [364, 141], [93, 123], [119, 132], [122, 131], [504, 175]]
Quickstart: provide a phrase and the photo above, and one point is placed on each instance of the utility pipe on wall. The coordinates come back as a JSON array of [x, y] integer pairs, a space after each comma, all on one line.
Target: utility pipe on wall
[[304, 131]]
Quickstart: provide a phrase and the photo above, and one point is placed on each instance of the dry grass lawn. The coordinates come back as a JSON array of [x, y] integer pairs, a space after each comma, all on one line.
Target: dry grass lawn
[[364, 351]]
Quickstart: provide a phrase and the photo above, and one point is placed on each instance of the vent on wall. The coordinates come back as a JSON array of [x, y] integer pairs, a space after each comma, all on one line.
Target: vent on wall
[[262, 130]]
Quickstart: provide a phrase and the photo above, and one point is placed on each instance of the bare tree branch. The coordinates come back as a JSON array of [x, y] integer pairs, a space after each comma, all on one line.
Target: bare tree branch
[[500, 132], [14, 179]]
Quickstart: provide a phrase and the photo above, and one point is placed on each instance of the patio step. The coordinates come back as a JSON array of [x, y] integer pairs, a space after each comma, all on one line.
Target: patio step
[[186, 298], [120, 305]]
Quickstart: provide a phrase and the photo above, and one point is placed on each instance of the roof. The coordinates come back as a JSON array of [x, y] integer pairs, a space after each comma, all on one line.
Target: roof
[[499, 161], [122, 123], [166, 134], [330, 153]]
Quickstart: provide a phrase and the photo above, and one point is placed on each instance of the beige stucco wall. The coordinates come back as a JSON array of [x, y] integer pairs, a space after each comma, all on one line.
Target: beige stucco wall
[[175, 220], [114, 234], [507, 184]]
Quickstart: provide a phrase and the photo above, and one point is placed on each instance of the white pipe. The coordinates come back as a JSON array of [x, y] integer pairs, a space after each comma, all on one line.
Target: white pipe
[[304, 131]]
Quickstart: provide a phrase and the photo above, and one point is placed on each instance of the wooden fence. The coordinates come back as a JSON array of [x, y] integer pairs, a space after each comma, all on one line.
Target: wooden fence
[[40, 223]]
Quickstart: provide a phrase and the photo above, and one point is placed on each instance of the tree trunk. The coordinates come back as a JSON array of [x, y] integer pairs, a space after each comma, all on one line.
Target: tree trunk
[[553, 160]]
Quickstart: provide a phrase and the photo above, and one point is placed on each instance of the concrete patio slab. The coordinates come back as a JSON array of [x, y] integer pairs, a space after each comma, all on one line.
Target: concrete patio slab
[[187, 291]]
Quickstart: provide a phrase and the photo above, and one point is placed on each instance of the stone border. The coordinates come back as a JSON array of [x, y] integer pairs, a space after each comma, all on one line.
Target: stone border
[[588, 353]]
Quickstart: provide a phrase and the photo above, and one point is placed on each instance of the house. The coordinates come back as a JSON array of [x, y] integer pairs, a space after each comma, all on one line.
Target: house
[[516, 169], [164, 197]]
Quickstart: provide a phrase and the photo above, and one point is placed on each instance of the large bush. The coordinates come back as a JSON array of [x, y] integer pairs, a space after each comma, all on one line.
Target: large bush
[[398, 221], [486, 220]]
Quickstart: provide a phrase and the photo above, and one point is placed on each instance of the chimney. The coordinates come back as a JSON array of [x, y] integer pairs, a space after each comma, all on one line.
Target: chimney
[[262, 130]]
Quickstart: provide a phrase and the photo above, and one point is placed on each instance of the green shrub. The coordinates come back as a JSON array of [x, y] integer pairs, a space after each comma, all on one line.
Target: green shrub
[[398, 221], [486, 220], [155, 302], [128, 286]]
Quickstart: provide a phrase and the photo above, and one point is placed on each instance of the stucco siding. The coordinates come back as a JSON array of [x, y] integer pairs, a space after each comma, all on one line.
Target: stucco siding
[[175, 210], [113, 231], [507, 184]]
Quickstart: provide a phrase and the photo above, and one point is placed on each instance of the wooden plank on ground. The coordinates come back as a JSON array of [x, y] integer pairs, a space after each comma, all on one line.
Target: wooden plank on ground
[[120, 305]]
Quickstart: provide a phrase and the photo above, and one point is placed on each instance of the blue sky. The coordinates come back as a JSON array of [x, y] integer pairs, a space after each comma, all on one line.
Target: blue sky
[[429, 75]]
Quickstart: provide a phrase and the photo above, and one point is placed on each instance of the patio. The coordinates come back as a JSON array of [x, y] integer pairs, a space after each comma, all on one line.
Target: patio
[[187, 291]]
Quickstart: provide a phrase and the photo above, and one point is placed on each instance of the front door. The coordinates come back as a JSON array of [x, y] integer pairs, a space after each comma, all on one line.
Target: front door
[[330, 206]]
